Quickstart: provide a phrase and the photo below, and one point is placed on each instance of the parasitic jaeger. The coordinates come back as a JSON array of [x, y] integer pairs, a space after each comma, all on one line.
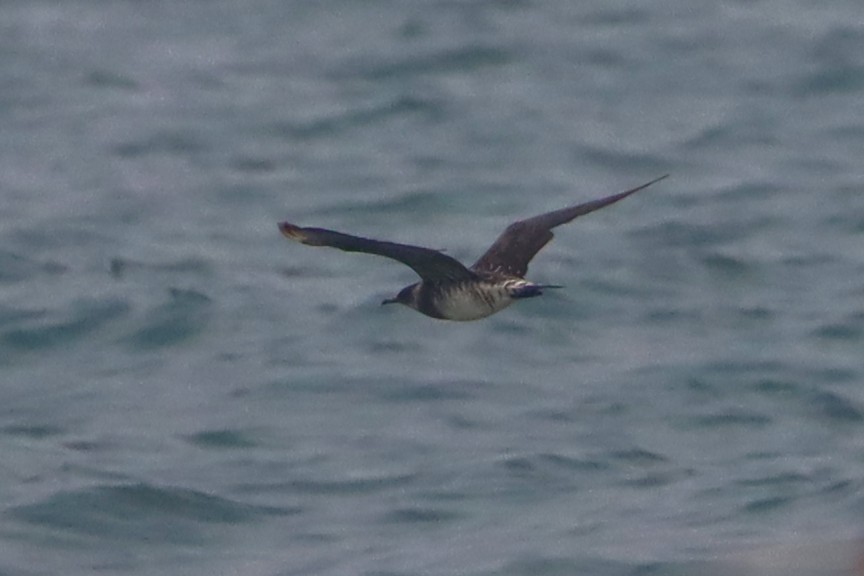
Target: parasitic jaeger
[[450, 291]]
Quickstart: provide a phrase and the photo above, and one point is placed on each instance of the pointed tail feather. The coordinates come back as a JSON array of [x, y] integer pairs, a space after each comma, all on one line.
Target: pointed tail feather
[[531, 290]]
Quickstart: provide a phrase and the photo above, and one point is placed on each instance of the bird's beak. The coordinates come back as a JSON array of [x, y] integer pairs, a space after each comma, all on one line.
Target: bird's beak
[[389, 301]]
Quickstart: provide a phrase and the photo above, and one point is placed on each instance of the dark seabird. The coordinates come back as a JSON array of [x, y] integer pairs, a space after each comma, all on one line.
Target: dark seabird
[[450, 291]]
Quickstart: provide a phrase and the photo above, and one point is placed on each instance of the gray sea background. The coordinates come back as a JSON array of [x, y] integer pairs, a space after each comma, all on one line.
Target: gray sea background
[[183, 391]]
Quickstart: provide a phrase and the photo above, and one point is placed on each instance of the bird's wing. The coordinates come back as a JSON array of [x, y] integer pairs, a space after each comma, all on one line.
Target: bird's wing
[[517, 245], [429, 264]]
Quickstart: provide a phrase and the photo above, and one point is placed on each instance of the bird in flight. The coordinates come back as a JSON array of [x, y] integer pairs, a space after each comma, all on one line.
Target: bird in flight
[[447, 289]]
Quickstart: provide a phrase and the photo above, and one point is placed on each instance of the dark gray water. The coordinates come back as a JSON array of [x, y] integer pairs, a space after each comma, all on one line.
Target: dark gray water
[[182, 391]]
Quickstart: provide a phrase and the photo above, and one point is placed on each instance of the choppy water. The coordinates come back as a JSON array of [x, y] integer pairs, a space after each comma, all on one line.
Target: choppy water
[[185, 392]]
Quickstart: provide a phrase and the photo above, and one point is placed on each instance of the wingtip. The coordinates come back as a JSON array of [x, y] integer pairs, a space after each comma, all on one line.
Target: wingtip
[[658, 179], [291, 231], [642, 187]]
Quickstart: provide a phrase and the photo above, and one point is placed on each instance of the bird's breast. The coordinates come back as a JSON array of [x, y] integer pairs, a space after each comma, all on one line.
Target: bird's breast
[[471, 300]]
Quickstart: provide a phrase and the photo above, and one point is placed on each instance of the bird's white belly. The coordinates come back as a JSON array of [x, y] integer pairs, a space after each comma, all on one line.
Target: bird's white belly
[[466, 304]]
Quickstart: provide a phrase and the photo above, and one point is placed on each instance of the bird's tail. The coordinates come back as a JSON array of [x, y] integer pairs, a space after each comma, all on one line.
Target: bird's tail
[[531, 290]]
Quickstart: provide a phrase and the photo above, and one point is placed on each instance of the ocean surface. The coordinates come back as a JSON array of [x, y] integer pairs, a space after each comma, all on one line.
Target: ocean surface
[[183, 391]]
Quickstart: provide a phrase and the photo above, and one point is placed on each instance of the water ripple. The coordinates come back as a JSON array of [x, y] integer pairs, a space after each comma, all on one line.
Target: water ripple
[[138, 511], [163, 142], [178, 320], [416, 515], [82, 318], [835, 407], [367, 484], [465, 59], [17, 268], [221, 439], [358, 117]]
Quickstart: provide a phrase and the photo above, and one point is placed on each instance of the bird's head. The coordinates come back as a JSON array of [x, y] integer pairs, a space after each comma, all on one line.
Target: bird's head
[[406, 296]]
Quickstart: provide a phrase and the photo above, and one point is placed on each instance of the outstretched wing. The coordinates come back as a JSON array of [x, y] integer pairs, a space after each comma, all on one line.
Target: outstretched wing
[[429, 264], [520, 242]]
